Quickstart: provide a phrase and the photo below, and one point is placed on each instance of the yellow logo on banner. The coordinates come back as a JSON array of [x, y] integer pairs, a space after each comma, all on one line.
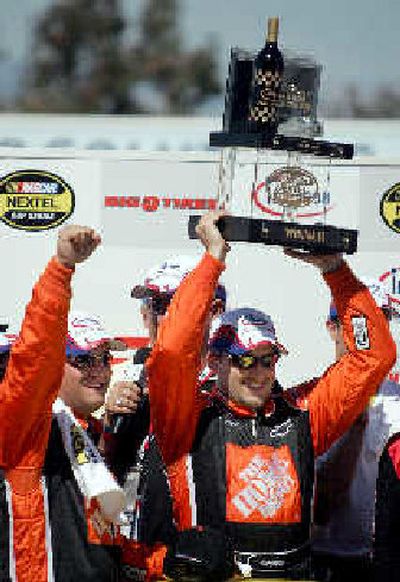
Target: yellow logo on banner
[[34, 200], [390, 207]]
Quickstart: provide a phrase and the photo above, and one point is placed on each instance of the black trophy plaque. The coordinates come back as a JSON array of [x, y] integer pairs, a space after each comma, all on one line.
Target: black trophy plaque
[[317, 238]]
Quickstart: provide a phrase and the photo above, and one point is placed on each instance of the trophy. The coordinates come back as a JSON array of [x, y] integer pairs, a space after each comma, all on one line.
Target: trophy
[[274, 175]]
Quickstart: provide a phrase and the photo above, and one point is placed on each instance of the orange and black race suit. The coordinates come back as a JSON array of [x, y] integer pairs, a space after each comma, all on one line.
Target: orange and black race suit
[[44, 521], [250, 475]]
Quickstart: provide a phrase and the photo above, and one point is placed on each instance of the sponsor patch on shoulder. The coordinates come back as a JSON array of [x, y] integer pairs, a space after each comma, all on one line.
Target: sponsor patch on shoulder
[[360, 331]]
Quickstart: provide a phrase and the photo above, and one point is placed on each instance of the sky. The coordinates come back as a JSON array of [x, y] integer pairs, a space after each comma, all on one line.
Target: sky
[[356, 41]]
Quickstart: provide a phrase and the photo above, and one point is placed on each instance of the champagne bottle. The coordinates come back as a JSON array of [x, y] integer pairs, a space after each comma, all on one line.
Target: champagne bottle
[[266, 84]]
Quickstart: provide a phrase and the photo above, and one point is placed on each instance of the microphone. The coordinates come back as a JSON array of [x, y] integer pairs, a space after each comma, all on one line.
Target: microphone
[[134, 371]]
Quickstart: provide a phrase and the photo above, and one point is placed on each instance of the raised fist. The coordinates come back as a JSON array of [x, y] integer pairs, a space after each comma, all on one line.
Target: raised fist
[[75, 244], [208, 233]]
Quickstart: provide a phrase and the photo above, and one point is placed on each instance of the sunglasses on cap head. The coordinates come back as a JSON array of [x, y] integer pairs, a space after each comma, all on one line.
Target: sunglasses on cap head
[[248, 361], [88, 361]]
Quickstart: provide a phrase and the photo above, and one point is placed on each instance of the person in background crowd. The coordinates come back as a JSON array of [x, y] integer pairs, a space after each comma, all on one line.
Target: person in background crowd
[[127, 405], [136, 460], [387, 506], [58, 501], [241, 469], [159, 286], [347, 473], [156, 292]]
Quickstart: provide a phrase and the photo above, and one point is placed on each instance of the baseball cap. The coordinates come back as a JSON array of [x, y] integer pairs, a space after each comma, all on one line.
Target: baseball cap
[[85, 332], [165, 278], [377, 290], [239, 330]]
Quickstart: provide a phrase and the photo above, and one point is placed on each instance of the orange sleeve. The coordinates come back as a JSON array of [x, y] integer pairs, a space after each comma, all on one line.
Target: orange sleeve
[[175, 361], [35, 370], [343, 392]]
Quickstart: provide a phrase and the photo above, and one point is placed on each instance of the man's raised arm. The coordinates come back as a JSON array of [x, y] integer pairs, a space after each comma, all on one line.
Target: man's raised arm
[[36, 363], [343, 392], [175, 360]]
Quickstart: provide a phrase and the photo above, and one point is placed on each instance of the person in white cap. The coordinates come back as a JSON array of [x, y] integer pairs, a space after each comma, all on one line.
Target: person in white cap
[[58, 501], [135, 457], [87, 372], [241, 468], [155, 293], [347, 473], [159, 286]]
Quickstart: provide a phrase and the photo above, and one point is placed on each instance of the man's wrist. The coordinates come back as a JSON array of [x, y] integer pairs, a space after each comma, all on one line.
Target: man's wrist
[[332, 266], [63, 264], [218, 252]]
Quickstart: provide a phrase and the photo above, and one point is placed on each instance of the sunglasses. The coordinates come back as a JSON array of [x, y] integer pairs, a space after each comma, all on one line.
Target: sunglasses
[[248, 361], [86, 362]]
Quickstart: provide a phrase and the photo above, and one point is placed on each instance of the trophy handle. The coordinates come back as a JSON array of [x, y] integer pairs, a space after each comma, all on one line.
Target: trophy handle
[[232, 228], [318, 238]]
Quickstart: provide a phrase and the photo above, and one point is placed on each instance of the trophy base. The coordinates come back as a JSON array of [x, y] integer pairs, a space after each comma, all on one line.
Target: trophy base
[[303, 145], [316, 238]]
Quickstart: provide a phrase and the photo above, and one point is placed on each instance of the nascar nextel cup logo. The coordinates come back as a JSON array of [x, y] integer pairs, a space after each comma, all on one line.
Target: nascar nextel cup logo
[[390, 207], [289, 190], [33, 200]]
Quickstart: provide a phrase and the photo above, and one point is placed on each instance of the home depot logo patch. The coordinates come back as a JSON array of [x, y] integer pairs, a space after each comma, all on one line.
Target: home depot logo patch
[[262, 485]]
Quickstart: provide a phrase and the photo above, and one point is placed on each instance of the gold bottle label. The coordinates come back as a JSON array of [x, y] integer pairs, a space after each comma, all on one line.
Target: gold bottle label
[[267, 89]]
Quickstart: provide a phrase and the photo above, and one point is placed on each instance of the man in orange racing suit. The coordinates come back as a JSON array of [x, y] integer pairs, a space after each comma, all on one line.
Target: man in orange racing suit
[[41, 505], [241, 467]]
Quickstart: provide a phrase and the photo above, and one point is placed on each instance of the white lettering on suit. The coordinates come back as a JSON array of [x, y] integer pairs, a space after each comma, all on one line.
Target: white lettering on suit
[[267, 483]]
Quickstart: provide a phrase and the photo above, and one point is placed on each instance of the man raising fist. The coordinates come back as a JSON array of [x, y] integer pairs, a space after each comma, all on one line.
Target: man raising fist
[[44, 449]]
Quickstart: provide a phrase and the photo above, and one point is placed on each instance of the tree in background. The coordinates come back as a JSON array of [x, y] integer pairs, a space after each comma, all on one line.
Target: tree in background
[[183, 79], [81, 62], [3, 57], [78, 61], [384, 103]]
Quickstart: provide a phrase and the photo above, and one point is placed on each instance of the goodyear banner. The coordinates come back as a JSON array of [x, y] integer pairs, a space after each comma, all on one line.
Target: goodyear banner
[[148, 203]]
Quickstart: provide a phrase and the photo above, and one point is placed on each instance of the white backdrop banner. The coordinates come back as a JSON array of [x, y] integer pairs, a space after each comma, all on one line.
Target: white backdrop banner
[[140, 204]]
